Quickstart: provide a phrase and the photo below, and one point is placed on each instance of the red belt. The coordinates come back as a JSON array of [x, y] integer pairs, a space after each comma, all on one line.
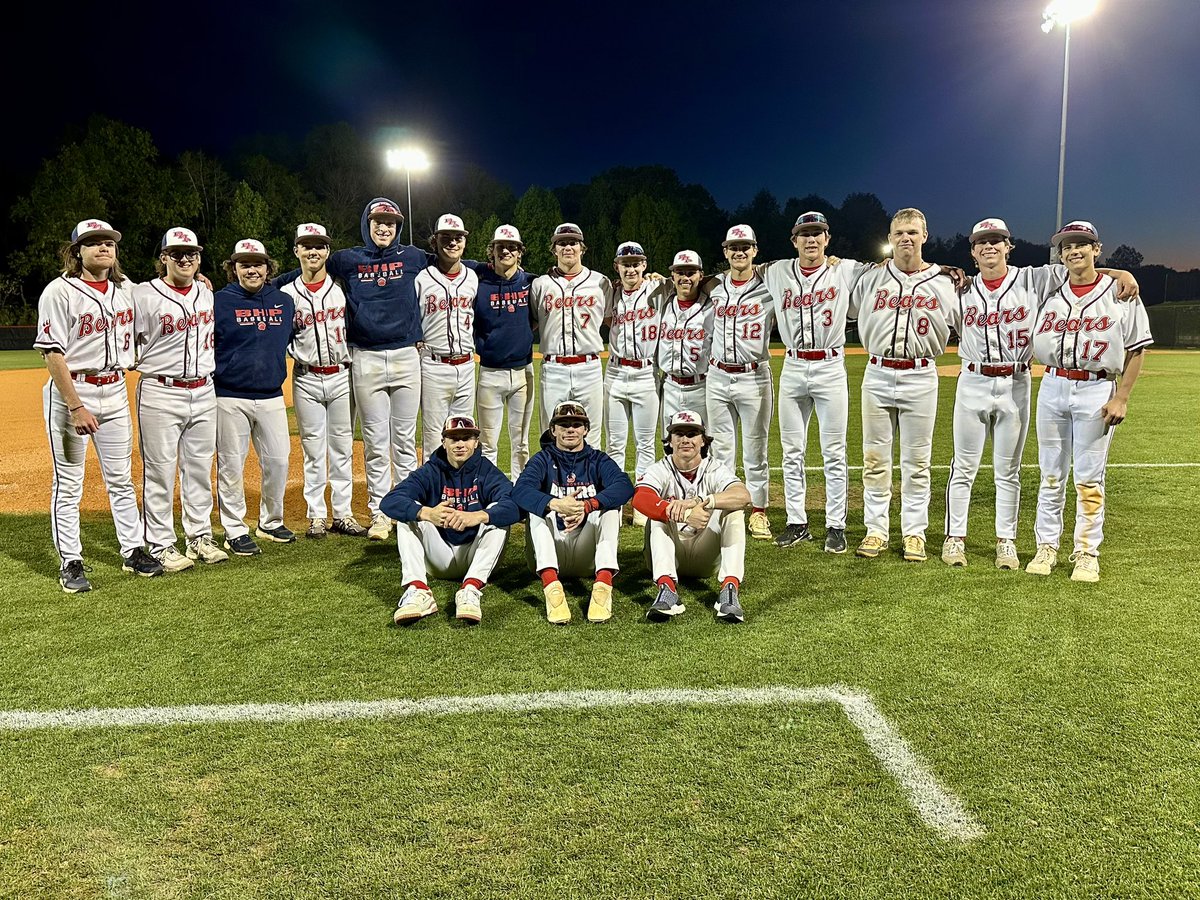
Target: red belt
[[571, 360], [106, 378], [814, 354], [1079, 374], [190, 383], [734, 369], [888, 363], [686, 380], [453, 360], [997, 371], [629, 363]]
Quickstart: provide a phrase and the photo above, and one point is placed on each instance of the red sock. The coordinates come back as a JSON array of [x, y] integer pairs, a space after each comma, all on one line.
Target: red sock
[[731, 580], [604, 576], [549, 576], [473, 582], [668, 582], [419, 585], [759, 509]]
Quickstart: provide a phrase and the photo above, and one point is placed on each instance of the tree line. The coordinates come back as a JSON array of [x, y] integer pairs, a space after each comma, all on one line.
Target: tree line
[[115, 172]]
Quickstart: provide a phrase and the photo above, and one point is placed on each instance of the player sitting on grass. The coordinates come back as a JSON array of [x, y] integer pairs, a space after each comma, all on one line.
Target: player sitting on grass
[[573, 493], [454, 514], [696, 507]]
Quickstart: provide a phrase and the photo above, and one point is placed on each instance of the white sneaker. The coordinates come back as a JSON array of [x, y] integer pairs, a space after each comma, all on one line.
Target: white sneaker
[[172, 560], [417, 603], [1087, 567], [381, 527], [954, 552], [1043, 561], [1006, 555], [466, 604], [759, 527], [205, 549]]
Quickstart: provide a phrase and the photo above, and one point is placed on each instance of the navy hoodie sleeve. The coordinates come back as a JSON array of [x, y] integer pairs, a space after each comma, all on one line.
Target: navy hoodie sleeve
[[498, 500], [616, 488], [528, 492], [405, 500]]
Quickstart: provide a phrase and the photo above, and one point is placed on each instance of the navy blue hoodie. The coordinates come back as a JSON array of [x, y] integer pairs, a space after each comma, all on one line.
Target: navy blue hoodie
[[381, 296], [503, 318], [251, 335], [555, 473], [476, 486]]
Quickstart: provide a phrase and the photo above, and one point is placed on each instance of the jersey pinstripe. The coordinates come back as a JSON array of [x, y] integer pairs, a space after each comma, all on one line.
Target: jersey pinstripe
[[904, 316], [685, 338], [447, 310], [570, 312], [319, 338], [811, 309], [742, 320], [174, 332], [636, 319], [94, 331], [1092, 332], [997, 326]]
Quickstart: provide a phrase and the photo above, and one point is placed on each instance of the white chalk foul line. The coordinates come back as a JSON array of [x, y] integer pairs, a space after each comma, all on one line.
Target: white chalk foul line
[[1111, 465], [937, 807]]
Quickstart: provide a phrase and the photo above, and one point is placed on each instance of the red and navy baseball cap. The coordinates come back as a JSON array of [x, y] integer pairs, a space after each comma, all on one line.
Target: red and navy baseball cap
[[809, 220], [630, 249], [989, 228], [96, 229], [1078, 230], [686, 259], [248, 249], [183, 238], [460, 425], [312, 233], [385, 211], [740, 234], [507, 234], [451, 224], [686, 420]]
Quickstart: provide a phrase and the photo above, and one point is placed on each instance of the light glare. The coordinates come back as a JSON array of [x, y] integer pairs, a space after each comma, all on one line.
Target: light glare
[[1064, 12], [412, 159]]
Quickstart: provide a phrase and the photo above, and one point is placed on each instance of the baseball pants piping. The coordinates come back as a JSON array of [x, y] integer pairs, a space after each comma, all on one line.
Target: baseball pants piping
[[582, 382], [631, 394], [325, 422], [742, 401], [496, 390], [387, 393], [805, 386], [240, 422]]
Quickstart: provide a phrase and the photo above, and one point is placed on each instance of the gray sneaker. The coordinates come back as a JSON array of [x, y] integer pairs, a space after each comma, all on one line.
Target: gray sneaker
[[835, 540], [206, 549], [280, 535], [139, 562], [348, 526], [665, 605], [729, 610], [72, 579]]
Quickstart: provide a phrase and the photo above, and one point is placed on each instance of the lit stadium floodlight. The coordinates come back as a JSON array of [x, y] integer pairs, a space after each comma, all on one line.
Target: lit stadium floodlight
[[410, 159], [1064, 12]]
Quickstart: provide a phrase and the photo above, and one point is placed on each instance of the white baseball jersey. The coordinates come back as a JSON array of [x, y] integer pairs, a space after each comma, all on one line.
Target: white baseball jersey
[[319, 338], [174, 330], [636, 319], [93, 330], [743, 316], [447, 310], [904, 316], [1091, 332], [811, 309], [685, 338], [570, 311], [996, 326], [667, 481]]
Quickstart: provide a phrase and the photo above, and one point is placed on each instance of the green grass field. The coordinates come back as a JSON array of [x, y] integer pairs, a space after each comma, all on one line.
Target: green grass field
[[1064, 717]]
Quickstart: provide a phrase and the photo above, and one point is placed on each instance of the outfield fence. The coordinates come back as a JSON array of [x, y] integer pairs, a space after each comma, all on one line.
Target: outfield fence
[[1175, 324]]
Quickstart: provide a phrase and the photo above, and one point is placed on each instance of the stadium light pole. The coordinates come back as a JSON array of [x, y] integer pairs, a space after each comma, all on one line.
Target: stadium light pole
[[410, 159], [1063, 13]]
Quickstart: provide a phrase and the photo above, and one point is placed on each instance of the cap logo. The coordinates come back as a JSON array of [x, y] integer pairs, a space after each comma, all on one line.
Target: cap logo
[[737, 232], [249, 246], [181, 235], [95, 224], [311, 229], [507, 232]]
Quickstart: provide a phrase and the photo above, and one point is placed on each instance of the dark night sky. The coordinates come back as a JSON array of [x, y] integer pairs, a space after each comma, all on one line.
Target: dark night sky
[[950, 106]]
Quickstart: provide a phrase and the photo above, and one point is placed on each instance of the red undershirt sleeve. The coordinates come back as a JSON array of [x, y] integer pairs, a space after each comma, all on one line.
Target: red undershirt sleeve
[[648, 503]]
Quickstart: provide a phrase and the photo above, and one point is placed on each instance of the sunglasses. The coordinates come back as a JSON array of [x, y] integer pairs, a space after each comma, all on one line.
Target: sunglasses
[[572, 423], [567, 243], [181, 255], [687, 432]]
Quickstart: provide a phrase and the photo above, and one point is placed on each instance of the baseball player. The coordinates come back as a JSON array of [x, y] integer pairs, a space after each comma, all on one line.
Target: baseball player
[[573, 494], [85, 335], [696, 507], [454, 514], [631, 392], [738, 394], [905, 310], [504, 341], [177, 403], [254, 323], [321, 386], [572, 303], [810, 297], [446, 291], [1093, 346], [684, 339]]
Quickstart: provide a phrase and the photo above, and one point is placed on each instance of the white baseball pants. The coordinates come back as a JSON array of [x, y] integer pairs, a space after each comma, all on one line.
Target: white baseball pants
[[719, 547], [387, 395], [324, 419], [744, 400], [424, 551], [804, 386], [631, 395], [582, 382], [240, 422], [582, 552], [496, 390], [675, 397], [446, 390]]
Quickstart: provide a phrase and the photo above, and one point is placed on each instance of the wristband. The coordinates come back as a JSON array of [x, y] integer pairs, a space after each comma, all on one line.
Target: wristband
[[74, 408], [711, 503]]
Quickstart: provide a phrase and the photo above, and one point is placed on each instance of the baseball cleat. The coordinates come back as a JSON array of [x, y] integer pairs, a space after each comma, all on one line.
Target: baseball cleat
[[71, 578], [835, 540], [280, 535], [793, 534], [600, 606], [316, 529], [665, 605], [557, 610], [759, 526], [416, 603], [1006, 555], [381, 527], [729, 610], [954, 552], [914, 549], [172, 560], [1043, 561], [243, 545], [466, 604], [139, 562], [1087, 567], [348, 526], [872, 545], [204, 548]]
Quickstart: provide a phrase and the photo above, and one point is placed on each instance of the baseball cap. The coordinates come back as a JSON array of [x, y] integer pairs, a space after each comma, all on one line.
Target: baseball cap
[[180, 237], [94, 228], [1078, 230], [312, 233], [567, 231], [810, 219], [630, 248], [247, 249], [686, 259], [385, 211], [685, 418], [508, 234], [989, 227], [568, 410], [460, 425], [739, 234], [452, 224]]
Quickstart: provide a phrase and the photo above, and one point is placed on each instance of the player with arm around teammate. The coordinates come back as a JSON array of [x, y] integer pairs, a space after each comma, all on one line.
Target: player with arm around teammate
[[177, 403], [573, 494], [321, 386], [696, 507], [86, 336], [454, 514], [684, 339], [1093, 346]]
